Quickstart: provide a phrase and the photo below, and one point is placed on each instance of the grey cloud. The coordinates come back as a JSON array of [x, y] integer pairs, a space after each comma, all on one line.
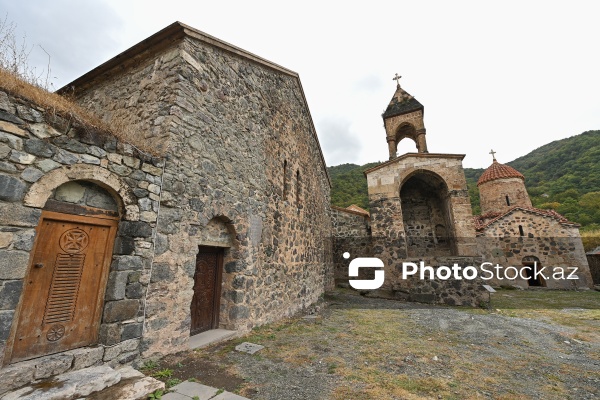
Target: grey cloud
[[340, 145], [78, 35]]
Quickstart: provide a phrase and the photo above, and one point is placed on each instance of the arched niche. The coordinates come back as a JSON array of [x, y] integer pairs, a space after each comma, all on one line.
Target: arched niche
[[42, 190], [216, 268], [426, 216], [83, 198]]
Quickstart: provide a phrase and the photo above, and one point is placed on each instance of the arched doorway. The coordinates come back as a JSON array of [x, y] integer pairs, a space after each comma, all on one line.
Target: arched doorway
[[216, 240], [534, 265], [427, 222], [61, 305]]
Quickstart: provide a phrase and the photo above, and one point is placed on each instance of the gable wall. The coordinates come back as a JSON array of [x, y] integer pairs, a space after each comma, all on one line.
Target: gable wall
[[231, 125], [555, 244]]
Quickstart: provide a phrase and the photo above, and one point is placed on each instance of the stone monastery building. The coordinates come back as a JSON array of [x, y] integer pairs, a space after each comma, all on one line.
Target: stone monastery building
[[212, 210], [420, 211]]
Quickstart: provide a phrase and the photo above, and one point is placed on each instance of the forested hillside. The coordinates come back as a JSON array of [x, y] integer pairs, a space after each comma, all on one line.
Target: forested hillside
[[563, 175], [349, 185]]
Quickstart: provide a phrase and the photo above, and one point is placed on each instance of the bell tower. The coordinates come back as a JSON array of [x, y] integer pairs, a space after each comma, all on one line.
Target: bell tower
[[403, 118]]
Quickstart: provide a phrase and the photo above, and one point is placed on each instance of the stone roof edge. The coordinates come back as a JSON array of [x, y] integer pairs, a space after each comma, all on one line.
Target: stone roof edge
[[177, 31], [173, 32], [533, 210], [350, 211], [422, 155]]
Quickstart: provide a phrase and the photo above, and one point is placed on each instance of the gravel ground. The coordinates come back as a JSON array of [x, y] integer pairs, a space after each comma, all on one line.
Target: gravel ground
[[506, 357]]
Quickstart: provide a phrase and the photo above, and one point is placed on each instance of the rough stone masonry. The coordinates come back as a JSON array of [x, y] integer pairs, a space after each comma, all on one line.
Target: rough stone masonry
[[236, 167]]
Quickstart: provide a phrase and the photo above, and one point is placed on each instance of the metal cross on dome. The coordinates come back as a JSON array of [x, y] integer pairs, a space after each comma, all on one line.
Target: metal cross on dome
[[493, 153], [397, 79]]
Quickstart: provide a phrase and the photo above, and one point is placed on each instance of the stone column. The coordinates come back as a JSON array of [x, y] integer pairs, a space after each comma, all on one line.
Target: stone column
[[421, 142], [392, 147]]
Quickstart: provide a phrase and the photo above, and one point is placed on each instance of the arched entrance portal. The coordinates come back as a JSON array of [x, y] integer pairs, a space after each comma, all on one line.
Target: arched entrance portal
[[63, 294], [204, 309], [427, 223], [534, 265], [216, 239]]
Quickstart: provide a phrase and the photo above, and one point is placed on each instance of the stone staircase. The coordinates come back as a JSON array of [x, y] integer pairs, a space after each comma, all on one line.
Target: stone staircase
[[97, 383]]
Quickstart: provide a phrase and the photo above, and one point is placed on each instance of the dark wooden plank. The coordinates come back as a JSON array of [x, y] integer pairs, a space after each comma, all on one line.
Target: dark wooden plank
[[204, 308], [76, 209]]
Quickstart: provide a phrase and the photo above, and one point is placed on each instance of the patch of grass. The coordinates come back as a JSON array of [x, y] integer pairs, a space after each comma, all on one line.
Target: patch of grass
[[172, 382], [149, 365], [331, 368], [163, 373], [579, 310], [389, 353], [157, 394]]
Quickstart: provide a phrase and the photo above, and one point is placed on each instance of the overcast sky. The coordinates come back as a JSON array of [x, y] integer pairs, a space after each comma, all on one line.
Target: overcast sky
[[510, 75]]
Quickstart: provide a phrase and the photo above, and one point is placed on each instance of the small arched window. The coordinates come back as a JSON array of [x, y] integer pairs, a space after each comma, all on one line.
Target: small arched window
[[521, 232], [298, 187], [285, 189], [507, 201]]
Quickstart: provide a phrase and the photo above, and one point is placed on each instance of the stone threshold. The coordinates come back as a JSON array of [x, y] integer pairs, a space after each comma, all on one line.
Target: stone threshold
[[93, 383], [210, 337]]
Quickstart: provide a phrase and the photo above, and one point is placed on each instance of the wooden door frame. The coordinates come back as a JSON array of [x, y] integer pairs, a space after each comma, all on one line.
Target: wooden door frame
[[109, 221], [220, 251]]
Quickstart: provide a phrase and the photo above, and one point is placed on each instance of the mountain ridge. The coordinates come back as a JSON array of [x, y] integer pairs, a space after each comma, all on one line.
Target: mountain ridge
[[563, 175]]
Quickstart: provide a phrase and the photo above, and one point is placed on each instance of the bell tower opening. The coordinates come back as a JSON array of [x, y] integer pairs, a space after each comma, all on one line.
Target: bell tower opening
[[403, 118]]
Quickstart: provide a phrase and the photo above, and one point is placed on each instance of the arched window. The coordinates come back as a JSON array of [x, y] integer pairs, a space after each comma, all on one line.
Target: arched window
[[298, 187], [285, 179], [521, 232], [507, 201]]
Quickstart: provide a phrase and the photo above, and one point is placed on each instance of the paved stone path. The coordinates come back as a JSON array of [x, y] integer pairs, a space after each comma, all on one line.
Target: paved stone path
[[192, 390]]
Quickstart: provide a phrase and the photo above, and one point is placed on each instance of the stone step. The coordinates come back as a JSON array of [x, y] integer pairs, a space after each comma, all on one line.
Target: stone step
[[133, 386], [210, 337], [127, 383]]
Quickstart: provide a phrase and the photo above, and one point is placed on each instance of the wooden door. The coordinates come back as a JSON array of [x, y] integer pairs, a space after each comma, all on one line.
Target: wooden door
[[64, 288], [207, 290]]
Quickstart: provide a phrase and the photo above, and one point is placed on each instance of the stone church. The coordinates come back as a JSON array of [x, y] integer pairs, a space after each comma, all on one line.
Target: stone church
[[210, 209], [420, 211]]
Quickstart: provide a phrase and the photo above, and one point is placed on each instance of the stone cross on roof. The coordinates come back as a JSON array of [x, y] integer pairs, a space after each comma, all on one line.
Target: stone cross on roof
[[397, 79], [493, 153]]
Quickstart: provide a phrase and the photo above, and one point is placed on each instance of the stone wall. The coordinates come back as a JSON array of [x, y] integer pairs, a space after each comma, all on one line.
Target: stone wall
[[555, 244], [42, 157], [352, 234], [236, 126], [493, 195]]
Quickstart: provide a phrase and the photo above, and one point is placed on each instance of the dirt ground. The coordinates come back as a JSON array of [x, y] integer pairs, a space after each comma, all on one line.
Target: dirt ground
[[538, 345]]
